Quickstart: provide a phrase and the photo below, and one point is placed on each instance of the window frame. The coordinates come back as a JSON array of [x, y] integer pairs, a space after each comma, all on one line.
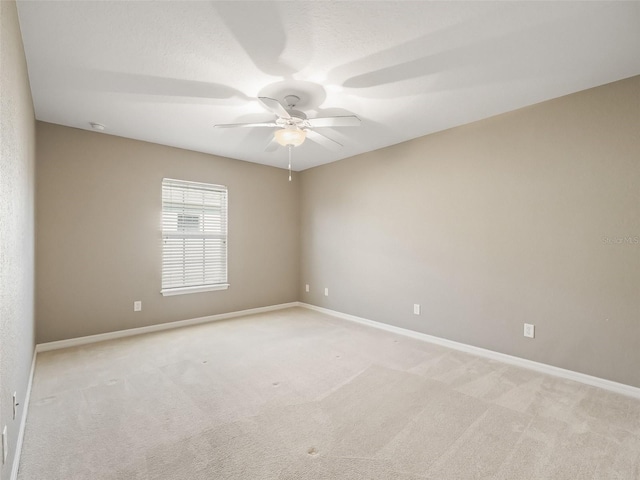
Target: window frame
[[185, 186]]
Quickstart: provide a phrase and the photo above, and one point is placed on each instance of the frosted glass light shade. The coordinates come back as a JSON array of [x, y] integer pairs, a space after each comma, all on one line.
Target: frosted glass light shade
[[290, 136]]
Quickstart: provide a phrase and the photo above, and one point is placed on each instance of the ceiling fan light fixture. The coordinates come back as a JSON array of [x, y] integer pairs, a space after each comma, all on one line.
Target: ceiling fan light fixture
[[290, 135]]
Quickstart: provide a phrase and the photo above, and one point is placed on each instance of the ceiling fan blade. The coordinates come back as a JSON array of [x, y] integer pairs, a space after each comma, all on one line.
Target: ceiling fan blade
[[342, 121], [322, 140], [275, 106], [243, 125], [273, 145]]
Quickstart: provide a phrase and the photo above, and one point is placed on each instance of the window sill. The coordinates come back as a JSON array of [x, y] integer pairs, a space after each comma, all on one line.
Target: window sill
[[184, 290]]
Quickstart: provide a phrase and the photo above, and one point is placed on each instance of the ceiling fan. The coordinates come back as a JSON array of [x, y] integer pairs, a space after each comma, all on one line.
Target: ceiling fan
[[293, 126]]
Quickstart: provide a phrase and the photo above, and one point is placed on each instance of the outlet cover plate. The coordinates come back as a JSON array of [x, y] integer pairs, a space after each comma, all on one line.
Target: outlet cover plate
[[416, 309], [529, 330]]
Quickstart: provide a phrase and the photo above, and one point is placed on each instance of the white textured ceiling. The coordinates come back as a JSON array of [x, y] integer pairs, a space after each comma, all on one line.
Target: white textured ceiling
[[167, 71]]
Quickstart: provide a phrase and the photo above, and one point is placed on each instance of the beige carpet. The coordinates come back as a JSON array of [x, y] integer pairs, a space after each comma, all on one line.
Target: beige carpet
[[295, 394]]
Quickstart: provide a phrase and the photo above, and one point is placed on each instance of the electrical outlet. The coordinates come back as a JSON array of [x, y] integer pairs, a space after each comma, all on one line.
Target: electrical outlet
[[529, 330], [326, 292], [15, 405], [416, 309], [306, 288], [137, 306], [5, 444]]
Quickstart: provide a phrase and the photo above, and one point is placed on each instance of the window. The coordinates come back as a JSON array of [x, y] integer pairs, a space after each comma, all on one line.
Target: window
[[194, 237]]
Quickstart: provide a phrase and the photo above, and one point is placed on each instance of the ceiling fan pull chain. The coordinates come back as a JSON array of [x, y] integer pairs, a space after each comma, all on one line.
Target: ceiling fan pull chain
[[289, 147]]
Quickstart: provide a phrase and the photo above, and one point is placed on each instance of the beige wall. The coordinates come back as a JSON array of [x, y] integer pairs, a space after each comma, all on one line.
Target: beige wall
[[492, 225], [487, 226], [99, 245], [17, 187]]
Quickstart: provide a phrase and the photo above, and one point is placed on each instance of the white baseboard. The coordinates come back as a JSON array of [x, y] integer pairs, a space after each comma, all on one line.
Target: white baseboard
[[74, 342], [23, 420], [616, 387], [620, 388]]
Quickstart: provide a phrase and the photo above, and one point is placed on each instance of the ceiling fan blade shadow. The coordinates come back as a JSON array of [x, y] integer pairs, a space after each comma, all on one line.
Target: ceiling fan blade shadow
[[275, 106], [258, 27], [323, 140], [417, 68], [339, 121], [138, 84], [245, 125], [442, 51]]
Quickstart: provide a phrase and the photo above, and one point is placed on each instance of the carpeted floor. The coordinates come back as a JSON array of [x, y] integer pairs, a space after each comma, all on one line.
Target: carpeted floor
[[296, 394]]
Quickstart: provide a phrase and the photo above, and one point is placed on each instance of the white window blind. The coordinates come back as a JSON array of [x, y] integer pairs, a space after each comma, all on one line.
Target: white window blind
[[194, 237]]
